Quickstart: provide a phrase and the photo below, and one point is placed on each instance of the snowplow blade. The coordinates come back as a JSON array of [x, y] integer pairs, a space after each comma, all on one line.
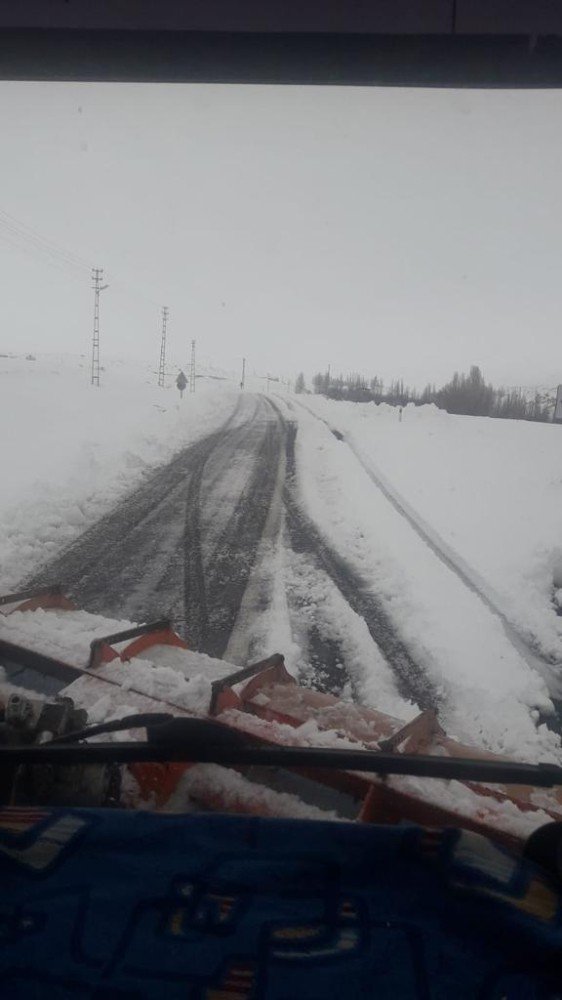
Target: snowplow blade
[[149, 668]]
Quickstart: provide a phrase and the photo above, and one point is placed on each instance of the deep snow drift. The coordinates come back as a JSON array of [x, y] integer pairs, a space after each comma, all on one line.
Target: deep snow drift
[[491, 488], [491, 492]]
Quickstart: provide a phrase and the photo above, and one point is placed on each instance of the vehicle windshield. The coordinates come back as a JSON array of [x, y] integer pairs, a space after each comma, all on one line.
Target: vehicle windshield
[[282, 365]]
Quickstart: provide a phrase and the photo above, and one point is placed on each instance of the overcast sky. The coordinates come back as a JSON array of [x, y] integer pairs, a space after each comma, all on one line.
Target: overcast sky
[[405, 233]]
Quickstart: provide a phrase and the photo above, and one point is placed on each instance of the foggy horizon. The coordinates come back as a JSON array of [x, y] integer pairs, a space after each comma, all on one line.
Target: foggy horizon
[[406, 234]]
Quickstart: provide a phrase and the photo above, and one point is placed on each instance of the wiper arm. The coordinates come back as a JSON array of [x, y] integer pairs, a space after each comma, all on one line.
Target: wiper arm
[[205, 741]]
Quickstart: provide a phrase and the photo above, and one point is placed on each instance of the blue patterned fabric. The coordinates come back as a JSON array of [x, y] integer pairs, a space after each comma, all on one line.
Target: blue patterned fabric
[[111, 904]]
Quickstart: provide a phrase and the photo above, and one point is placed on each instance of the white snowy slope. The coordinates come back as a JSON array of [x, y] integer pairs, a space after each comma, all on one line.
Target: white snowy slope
[[492, 489], [490, 694], [70, 451]]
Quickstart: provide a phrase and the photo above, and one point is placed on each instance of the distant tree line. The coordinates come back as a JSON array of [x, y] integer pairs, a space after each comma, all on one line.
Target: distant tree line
[[467, 394]]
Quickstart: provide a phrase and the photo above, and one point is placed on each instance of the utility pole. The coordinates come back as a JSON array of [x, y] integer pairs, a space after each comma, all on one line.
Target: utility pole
[[97, 278], [162, 366], [243, 379], [192, 368]]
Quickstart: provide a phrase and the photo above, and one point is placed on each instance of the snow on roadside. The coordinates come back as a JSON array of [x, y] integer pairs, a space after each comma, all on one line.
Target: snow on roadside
[[317, 602], [301, 598], [491, 489], [490, 695], [74, 451]]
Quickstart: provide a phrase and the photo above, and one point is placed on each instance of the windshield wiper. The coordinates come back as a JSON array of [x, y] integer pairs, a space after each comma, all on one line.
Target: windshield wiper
[[205, 741]]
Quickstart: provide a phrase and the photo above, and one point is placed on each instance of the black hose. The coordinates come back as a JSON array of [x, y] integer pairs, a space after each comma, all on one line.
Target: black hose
[[139, 721]]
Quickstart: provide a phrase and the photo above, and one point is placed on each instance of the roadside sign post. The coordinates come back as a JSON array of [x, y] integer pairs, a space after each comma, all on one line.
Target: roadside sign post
[[181, 383]]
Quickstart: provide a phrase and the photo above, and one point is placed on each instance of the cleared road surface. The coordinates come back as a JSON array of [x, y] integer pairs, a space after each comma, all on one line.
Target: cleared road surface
[[195, 540]]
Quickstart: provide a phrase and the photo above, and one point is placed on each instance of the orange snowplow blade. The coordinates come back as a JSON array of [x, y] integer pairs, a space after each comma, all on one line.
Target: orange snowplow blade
[[265, 702]]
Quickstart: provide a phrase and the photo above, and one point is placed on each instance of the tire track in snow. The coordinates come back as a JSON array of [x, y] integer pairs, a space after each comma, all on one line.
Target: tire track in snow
[[258, 592], [231, 567], [197, 541], [412, 680], [194, 595], [292, 596], [125, 562], [185, 541], [324, 637]]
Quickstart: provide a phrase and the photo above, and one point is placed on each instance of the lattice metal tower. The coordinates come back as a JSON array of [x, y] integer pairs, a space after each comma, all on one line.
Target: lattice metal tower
[[192, 368], [162, 365], [97, 278]]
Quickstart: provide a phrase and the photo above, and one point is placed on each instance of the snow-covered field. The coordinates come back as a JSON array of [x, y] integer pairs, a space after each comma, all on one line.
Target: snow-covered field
[[70, 451], [468, 524], [491, 489]]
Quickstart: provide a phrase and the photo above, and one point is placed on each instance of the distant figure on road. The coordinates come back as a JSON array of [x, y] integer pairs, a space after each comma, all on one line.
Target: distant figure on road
[[181, 383]]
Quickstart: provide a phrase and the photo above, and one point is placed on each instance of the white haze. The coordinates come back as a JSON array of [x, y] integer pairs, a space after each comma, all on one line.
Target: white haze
[[405, 233]]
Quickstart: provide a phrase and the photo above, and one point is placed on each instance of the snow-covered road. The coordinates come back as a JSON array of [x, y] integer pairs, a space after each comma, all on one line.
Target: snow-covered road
[[260, 530], [183, 544], [218, 540]]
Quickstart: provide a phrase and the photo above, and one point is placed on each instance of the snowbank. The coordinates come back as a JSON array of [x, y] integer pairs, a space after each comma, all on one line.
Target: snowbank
[[489, 694], [492, 489], [71, 451]]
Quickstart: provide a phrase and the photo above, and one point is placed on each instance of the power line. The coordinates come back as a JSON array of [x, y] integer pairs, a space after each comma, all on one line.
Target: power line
[[19, 236], [16, 223], [123, 287], [29, 250], [29, 238], [162, 366], [97, 277], [42, 245], [192, 368]]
